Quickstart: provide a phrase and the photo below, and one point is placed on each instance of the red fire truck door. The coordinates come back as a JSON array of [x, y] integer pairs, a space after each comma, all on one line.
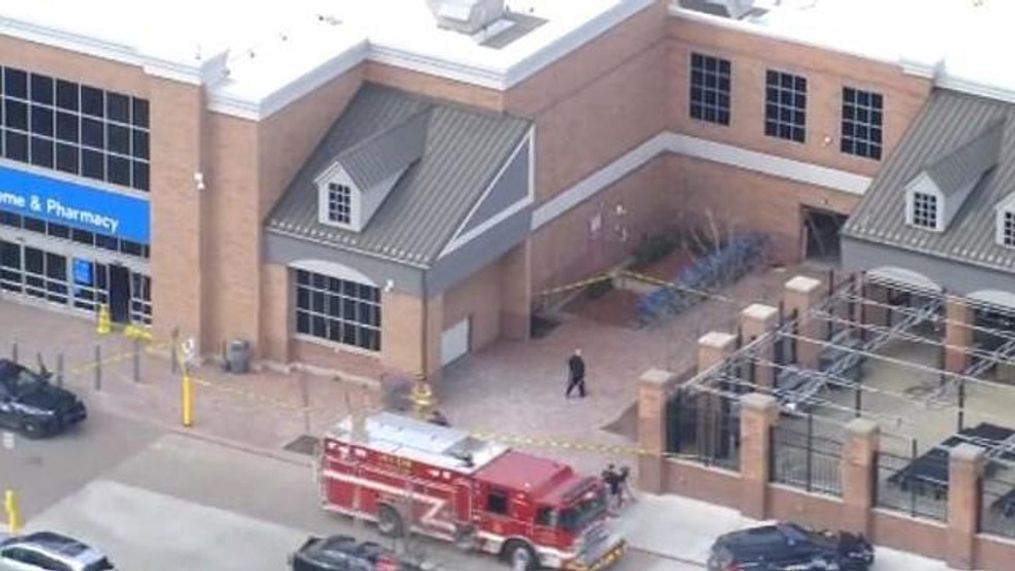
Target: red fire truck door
[[463, 501]]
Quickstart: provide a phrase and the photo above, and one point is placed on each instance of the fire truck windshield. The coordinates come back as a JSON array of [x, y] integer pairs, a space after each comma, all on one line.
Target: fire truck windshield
[[587, 509]]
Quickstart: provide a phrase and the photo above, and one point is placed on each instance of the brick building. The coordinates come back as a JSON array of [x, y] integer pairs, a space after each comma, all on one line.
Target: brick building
[[354, 184]]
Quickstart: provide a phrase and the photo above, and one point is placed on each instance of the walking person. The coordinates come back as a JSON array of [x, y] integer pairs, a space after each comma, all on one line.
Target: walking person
[[576, 369], [624, 486], [613, 487]]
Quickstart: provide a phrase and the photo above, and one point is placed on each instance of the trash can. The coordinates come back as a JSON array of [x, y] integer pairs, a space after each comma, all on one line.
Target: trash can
[[238, 356]]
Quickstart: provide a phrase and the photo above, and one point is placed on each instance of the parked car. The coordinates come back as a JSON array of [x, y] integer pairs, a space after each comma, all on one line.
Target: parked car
[[32, 405], [47, 551], [343, 553], [790, 547]]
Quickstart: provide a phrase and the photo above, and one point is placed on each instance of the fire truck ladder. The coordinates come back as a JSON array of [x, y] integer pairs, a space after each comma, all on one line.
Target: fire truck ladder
[[798, 388]]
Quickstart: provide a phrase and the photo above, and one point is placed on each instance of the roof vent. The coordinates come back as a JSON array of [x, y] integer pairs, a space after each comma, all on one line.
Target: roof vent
[[735, 9], [466, 16]]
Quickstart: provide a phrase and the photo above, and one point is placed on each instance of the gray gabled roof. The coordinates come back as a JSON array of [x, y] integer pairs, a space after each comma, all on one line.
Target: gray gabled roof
[[948, 121], [387, 152], [963, 165], [463, 151]]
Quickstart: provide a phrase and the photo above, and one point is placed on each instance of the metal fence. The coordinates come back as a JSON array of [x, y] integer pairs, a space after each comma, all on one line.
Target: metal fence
[[916, 484], [705, 427], [997, 511], [803, 459]]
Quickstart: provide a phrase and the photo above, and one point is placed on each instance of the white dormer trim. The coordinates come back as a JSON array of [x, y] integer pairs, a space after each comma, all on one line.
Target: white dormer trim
[[1004, 209], [923, 184], [335, 174], [334, 270]]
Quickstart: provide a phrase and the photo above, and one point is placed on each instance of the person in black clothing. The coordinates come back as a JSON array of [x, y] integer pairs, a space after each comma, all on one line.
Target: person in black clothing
[[613, 480], [576, 367]]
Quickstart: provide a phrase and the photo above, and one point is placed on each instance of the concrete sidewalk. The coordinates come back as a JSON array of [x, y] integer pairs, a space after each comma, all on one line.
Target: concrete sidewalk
[[684, 530]]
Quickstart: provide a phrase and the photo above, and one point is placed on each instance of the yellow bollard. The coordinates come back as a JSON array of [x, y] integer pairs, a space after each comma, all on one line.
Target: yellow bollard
[[13, 513], [188, 400], [105, 325]]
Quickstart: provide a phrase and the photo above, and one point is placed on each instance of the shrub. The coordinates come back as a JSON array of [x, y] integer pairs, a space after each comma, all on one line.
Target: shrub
[[599, 288], [653, 249]]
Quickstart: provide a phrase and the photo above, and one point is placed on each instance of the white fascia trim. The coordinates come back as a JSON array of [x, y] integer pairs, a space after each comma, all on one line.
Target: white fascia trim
[[975, 88], [702, 149], [461, 239], [255, 109], [333, 269], [482, 76], [573, 40]]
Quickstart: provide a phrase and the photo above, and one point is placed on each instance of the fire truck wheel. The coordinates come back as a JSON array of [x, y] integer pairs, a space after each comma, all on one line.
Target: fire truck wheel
[[520, 555], [389, 522]]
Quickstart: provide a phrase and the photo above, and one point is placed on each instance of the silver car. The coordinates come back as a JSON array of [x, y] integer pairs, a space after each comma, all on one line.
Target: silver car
[[47, 551]]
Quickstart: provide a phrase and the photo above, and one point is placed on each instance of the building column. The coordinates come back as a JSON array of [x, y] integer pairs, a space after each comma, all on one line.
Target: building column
[[758, 414], [713, 348], [757, 320], [958, 334], [410, 341], [800, 295], [516, 292], [858, 472], [965, 468], [876, 311], [653, 391], [276, 311]]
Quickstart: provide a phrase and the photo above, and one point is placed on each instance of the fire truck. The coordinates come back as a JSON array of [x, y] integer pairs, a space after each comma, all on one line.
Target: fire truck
[[411, 476]]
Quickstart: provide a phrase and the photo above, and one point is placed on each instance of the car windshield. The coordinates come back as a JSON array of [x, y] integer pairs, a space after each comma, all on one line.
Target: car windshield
[[100, 565], [799, 533], [588, 508]]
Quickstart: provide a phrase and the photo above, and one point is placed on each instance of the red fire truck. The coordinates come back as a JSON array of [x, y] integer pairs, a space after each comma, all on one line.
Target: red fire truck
[[413, 476]]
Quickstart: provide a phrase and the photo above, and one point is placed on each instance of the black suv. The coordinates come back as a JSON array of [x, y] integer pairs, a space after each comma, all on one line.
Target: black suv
[[790, 547], [32, 405], [343, 553]]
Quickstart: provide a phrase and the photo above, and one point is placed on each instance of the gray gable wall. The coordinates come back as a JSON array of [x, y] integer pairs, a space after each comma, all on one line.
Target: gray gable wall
[[511, 187]]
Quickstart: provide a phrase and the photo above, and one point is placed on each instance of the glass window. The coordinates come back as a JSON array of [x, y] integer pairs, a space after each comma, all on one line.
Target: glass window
[[140, 115], [118, 107], [67, 95], [1008, 228], [92, 101], [118, 170], [67, 158], [16, 114], [118, 139], [785, 106], [93, 164], [862, 115], [339, 203], [710, 89], [91, 133], [42, 120], [42, 89], [42, 152], [16, 146], [15, 83], [497, 502], [338, 310], [925, 210], [67, 127]]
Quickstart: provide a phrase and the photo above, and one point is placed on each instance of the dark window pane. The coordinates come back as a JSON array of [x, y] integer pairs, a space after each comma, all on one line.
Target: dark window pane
[[877, 101], [15, 83], [771, 77], [16, 146], [91, 133], [118, 139], [67, 95], [42, 120], [67, 158], [92, 101], [131, 248], [42, 152], [92, 164], [35, 225], [42, 89], [118, 170], [67, 127], [57, 230], [140, 175], [786, 81], [118, 107], [302, 322], [16, 114], [107, 242], [83, 236], [140, 118], [140, 149], [800, 83]]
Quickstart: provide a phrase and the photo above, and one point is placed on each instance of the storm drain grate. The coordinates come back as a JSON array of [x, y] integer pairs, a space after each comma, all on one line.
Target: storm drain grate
[[304, 444]]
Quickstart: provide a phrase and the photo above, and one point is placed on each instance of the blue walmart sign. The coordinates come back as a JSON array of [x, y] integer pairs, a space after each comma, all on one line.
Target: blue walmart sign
[[74, 205]]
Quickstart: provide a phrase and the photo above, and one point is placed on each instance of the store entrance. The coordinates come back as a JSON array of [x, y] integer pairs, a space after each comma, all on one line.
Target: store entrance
[[119, 294]]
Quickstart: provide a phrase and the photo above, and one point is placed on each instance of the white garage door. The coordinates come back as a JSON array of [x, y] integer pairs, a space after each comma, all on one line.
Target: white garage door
[[455, 341]]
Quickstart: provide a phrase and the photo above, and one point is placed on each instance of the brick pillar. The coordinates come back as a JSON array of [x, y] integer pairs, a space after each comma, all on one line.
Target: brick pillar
[[876, 311], [516, 292], [653, 387], [713, 347], [758, 413], [755, 321], [965, 467], [958, 334], [800, 295], [858, 471]]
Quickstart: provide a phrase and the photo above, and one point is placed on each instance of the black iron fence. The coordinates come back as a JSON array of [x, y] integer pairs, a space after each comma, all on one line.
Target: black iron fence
[[704, 426], [997, 511], [916, 484], [804, 459]]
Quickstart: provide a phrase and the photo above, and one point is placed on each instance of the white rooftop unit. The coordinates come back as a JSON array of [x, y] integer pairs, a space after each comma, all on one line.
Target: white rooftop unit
[[466, 16]]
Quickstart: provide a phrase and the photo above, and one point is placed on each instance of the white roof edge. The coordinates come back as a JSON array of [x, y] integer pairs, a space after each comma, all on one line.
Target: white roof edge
[[258, 109]]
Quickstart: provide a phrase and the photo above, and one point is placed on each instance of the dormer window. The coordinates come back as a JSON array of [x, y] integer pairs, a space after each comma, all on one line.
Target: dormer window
[[924, 211], [1008, 228], [339, 203]]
